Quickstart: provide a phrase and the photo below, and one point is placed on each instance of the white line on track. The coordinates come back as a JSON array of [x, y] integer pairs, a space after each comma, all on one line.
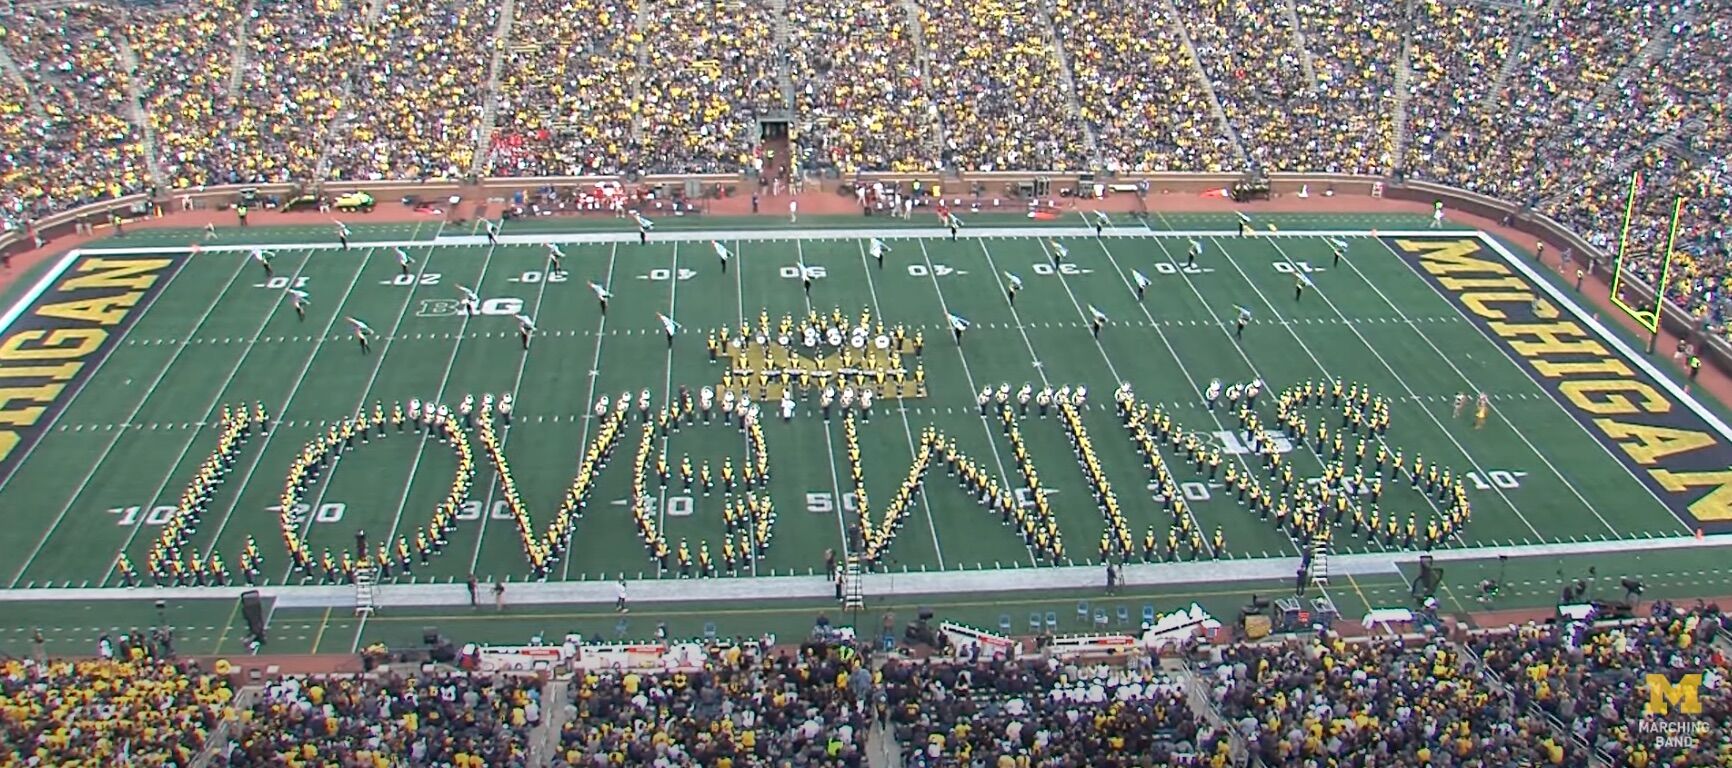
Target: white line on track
[[589, 400], [169, 476]]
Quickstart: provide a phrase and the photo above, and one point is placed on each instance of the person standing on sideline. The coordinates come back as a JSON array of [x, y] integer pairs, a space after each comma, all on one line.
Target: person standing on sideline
[[793, 211], [499, 595], [829, 563], [619, 605], [473, 585]]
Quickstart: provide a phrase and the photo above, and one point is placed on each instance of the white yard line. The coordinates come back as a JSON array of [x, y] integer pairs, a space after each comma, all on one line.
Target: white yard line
[[378, 364], [1086, 317], [438, 397], [29, 299], [1039, 367], [1196, 386], [258, 452], [1519, 433], [739, 270], [210, 408], [589, 400], [1160, 242], [830, 441], [1373, 349], [505, 431], [991, 439], [668, 382]]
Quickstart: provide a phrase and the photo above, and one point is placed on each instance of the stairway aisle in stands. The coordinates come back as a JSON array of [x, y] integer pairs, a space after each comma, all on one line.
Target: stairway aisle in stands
[[1403, 84], [1068, 82], [1178, 23], [238, 62], [1307, 63], [129, 61], [1518, 46], [340, 122], [490, 97], [923, 65], [9, 65], [640, 21]]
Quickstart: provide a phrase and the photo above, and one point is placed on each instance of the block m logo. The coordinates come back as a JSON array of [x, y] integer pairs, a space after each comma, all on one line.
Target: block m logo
[[1665, 696]]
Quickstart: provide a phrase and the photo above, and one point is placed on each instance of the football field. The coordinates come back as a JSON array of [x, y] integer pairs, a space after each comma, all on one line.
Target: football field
[[122, 360]]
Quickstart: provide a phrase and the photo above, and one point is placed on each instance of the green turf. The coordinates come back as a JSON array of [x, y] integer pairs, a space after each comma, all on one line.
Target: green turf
[[216, 336]]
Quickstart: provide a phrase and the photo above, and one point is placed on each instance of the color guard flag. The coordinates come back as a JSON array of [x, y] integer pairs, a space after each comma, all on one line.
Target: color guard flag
[[1142, 282], [600, 292], [1015, 282], [642, 222], [668, 323], [958, 322], [1099, 316], [1243, 217]]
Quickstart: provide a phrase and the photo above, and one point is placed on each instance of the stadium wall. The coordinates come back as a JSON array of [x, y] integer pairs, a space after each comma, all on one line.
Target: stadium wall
[[1598, 264]]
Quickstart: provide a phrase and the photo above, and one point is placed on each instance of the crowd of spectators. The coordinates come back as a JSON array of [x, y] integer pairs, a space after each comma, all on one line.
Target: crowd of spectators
[[443, 719], [999, 88], [185, 69], [749, 706], [1594, 680], [1390, 703], [1136, 90], [711, 70], [128, 710], [567, 97], [74, 140], [862, 100], [1051, 713], [1539, 103]]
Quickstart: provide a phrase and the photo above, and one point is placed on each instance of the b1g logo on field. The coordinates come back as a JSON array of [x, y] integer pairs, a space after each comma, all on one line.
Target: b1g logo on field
[[505, 306]]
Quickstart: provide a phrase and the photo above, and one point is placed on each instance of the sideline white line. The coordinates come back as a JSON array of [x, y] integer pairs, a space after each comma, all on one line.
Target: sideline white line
[[589, 403], [137, 408]]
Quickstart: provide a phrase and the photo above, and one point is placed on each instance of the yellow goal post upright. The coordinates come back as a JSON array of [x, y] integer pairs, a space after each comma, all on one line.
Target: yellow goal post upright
[[1647, 317]]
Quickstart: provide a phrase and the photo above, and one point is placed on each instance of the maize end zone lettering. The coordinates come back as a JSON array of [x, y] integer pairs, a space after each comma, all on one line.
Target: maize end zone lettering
[[51, 350], [1665, 440]]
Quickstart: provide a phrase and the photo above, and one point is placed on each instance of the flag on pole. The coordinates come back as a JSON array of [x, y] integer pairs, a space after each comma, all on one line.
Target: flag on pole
[[642, 222], [1338, 244], [525, 322], [1015, 282], [958, 322], [1244, 313], [299, 296], [468, 295], [359, 326], [955, 220], [600, 292], [668, 323], [878, 247], [721, 250], [1243, 217], [1304, 278], [1142, 282], [1103, 217], [1099, 316], [1058, 248], [403, 257]]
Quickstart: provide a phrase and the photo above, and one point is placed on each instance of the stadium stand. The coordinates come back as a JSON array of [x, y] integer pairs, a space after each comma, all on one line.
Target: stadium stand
[[445, 718], [1593, 679], [127, 710], [1376, 703], [862, 98], [1061, 714], [748, 707]]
